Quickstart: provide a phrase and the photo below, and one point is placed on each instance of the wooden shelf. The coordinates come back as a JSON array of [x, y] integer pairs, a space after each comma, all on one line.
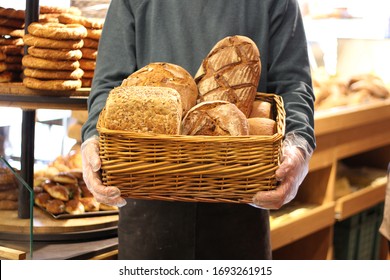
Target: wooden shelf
[[303, 225], [44, 224], [17, 95], [345, 132], [359, 201]]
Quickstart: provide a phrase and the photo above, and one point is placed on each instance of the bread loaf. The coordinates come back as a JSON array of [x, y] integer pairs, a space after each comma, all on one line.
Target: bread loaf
[[230, 72], [261, 109], [161, 74], [143, 109], [261, 126], [215, 118]]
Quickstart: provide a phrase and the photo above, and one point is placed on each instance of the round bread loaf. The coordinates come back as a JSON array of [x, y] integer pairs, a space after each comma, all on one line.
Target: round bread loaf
[[143, 109], [215, 118], [261, 109], [55, 206], [231, 72], [261, 126], [161, 74], [59, 54]]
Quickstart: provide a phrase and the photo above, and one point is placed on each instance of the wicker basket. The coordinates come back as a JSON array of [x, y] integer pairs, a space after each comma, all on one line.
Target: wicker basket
[[192, 168]]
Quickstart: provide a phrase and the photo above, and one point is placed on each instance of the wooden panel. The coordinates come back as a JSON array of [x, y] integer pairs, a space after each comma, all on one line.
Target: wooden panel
[[11, 254], [43, 223], [359, 201], [317, 246], [303, 225]]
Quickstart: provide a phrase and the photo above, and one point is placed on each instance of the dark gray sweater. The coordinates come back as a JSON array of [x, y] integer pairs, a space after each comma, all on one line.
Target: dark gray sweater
[[138, 32]]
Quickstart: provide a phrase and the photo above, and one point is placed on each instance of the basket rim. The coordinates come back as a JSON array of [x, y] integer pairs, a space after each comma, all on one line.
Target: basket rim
[[280, 128]]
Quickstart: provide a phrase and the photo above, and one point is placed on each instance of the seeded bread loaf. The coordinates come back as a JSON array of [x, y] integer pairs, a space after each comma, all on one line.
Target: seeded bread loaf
[[143, 109]]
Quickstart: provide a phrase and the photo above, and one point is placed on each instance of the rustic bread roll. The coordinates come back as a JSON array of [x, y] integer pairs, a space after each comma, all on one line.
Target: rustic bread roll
[[215, 118], [143, 109], [42, 198], [56, 191], [90, 204], [231, 72], [74, 207], [55, 206], [261, 109], [160, 74], [261, 126]]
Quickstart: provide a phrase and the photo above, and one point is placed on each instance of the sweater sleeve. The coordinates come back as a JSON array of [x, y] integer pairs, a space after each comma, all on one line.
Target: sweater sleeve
[[116, 60], [289, 68]]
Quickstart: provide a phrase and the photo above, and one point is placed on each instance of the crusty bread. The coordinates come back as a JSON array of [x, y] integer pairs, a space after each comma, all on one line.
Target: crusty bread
[[143, 109], [230, 72], [162, 74], [261, 126], [215, 118], [261, 109]]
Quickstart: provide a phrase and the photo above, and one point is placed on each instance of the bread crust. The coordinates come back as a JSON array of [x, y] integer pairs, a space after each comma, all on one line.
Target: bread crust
[[59, 10], [91, 43], [162, 74], [87, 22], [143, 109], [35, 41], [6, 76], [19, 33], [89, 53], [215, 118], [12, 13], [51, 84], [53, 75], [261, 126], [58, 31], [230, 72], [58, 54], [87, 64], [11, 41], [49, 64], [11, 22]]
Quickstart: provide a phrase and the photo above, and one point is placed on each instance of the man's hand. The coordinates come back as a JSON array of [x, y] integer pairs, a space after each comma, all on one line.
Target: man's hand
[[296, 154], [91, 166]]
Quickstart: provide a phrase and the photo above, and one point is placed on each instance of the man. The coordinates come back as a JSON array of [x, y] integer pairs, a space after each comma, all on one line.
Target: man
[[182, 32]]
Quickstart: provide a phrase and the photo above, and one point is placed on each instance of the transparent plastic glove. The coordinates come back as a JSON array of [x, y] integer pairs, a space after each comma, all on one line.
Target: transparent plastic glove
[[91, 166], [296, 154]]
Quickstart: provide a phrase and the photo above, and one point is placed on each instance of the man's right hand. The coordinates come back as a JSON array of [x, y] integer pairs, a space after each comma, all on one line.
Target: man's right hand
[[91, 175]]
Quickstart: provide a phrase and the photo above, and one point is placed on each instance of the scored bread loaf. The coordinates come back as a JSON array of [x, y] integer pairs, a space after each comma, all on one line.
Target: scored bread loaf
[[215, 118], [230, 72], [143, 109], [162, 74]]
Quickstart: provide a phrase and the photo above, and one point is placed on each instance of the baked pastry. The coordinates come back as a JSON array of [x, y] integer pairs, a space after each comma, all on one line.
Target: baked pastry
[[57, 31], [231, 72], [56, 191], [51, 84], [143, 109], [41, 199], [90, 204], [74, 207], [54, 75], [215, 118], [261, 126], [57, 54], [55, 206], [169, 75], [35, 41], [105, 207]]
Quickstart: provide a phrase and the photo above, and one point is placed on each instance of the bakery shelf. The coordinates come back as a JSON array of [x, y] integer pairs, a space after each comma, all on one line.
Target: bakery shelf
[[343, 132], [303, 225], [360, 200], [47, 228], [17, 95]]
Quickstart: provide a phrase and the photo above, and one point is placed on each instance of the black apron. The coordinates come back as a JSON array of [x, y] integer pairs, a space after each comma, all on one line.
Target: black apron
[[162, 230]]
